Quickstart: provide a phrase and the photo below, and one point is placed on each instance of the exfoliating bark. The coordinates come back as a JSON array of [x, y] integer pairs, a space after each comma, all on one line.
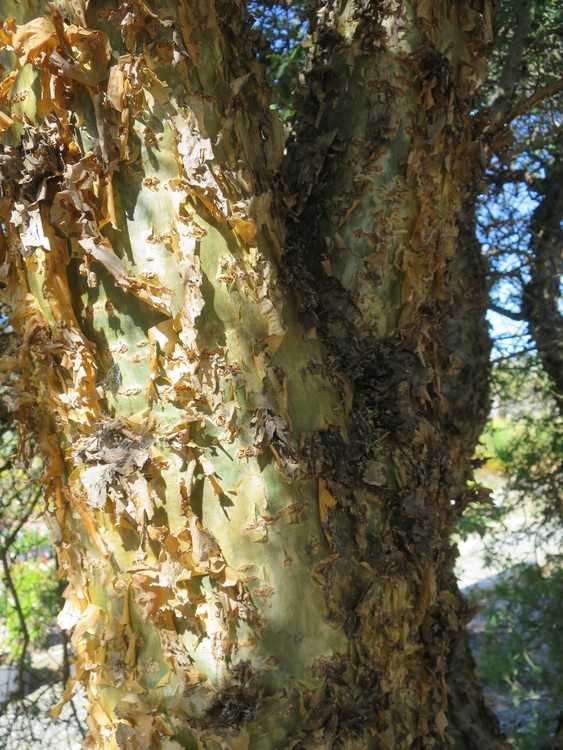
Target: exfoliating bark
[[248, 462]]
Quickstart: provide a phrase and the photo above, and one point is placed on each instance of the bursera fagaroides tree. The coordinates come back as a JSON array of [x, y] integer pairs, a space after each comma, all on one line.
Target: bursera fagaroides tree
[[249, 363]]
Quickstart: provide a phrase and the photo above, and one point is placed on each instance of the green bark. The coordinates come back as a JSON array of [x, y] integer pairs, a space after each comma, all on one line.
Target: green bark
[[247, 462]]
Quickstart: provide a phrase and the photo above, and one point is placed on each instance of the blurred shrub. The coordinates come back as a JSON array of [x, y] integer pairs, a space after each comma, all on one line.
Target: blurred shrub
[[521, 649], [34, 576]]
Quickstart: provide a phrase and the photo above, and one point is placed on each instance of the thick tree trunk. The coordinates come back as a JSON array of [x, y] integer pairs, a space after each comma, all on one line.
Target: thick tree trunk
[[390, 271], [253, 477]]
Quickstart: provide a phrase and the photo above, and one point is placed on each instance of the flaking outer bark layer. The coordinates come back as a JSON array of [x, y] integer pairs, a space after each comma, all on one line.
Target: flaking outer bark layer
[[253, 529], [168, 380]]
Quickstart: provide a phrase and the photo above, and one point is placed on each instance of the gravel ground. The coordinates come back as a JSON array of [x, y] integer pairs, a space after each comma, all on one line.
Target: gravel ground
[[30, 726]]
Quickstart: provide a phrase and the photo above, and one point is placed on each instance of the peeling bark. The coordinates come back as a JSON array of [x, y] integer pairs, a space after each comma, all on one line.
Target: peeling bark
[[249, 462], [385, 155]]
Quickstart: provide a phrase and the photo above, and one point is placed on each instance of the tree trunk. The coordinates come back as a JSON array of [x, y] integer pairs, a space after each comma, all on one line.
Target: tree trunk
[[391, 274], [249, 457]]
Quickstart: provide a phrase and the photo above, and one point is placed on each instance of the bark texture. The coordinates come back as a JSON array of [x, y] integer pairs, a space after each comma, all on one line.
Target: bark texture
[[249, 455], [385, 257]]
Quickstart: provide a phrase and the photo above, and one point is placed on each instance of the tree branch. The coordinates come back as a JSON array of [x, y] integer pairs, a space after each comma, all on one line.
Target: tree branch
[[540, 95], [511, 355], [9, 541], [507, 313], [509, 74], [498, 130]]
